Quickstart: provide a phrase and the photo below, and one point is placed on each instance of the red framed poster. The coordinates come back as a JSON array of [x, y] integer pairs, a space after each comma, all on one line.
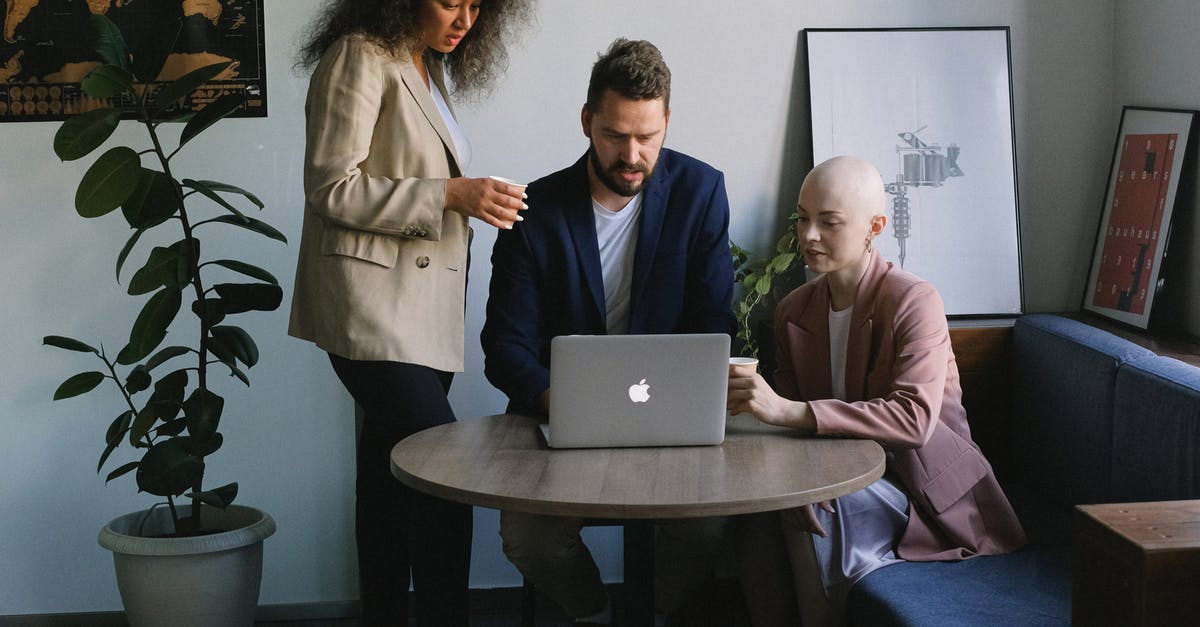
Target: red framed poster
[[1136, 219]]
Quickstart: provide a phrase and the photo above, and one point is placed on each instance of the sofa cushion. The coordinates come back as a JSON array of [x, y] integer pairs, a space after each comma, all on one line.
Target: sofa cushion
[[1156, 431], [1029, 587], [1064, 376]]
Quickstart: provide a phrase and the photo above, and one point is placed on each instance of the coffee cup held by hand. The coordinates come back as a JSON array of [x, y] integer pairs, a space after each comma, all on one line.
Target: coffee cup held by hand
[[509, 181], [743, 366], [746, 365]]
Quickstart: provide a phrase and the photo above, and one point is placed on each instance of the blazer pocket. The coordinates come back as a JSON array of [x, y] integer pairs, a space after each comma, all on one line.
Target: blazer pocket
[[956, 480], [376, 248]]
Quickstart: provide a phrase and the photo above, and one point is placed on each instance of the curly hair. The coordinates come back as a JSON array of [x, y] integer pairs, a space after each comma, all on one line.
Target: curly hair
[[474, 65], [632, 68]]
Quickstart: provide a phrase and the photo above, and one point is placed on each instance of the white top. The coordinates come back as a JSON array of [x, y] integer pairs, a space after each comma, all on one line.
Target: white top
[[462, 145], [839, 335], [616, 237]]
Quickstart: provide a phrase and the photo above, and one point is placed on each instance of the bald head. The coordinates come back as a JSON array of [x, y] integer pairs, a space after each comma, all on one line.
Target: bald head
[[849, 185]]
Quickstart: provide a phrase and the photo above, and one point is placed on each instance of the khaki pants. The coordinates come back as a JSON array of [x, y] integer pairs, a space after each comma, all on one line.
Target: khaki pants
[[549, 552]]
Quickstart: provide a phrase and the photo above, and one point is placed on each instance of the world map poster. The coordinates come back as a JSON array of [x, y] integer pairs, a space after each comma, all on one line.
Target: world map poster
[[45, 52]]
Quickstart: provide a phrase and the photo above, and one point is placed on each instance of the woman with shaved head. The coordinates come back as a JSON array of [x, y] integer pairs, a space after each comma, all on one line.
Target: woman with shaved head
[[864, 352]]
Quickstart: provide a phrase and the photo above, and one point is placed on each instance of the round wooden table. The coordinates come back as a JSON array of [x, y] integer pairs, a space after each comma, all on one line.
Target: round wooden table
[[501, 462]]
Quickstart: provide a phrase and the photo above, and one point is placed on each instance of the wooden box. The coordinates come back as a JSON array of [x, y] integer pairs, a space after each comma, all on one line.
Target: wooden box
[[1136, 564]]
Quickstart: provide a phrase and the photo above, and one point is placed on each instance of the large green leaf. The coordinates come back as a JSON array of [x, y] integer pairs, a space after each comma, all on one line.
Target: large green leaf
[[137, 380], [171, 428], [81, 383], [205, 448], [783, 261], [239, 343], [763, 285], [234, 371], [108, 183], [218, 186], [186, 84], [166, 267], [150, 328], [107, 81], [239, 297], [254, 224], [168, 469], [71, 344], [203, 411], [126, 249], [152, 202], [152, 51], [167, 399], [81, 134], [212, 113], [163, 355], [123, 470], [247, 269], [108, 42], [223, 354], [116, 431], [221, 497], [209, 310], [141, 425], [213, 196], [117, 428]]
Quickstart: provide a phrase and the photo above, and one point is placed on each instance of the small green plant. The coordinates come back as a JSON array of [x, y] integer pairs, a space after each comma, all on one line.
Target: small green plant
[[173, 418], [758, 277]]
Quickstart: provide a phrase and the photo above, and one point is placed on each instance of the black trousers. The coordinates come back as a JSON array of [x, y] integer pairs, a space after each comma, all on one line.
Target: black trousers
[[400, 530]]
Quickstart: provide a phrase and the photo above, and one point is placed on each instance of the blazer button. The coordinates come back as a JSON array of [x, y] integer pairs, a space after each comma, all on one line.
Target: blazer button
[[422, 262]]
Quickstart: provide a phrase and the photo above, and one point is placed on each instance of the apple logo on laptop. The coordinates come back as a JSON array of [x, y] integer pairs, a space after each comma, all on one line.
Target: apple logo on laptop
[[639, 392]]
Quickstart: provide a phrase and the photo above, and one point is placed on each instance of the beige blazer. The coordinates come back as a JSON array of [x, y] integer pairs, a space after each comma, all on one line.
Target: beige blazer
[[383, 266], [902, 390]]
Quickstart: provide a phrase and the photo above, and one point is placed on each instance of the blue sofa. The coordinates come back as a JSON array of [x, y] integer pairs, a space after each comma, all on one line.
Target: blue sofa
[[1093, 419]]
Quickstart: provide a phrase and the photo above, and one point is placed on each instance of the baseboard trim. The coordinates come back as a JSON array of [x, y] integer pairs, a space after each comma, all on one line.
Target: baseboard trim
[[484, 601]]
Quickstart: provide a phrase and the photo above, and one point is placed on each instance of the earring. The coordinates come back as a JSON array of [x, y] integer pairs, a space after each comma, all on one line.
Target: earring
[[869, 242]]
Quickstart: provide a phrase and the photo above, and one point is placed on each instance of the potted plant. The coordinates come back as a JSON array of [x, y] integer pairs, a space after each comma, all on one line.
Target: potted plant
[[764, 282], [171, 413]]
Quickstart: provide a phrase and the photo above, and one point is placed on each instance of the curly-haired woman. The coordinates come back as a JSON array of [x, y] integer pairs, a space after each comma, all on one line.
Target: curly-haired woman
[[381, 277]]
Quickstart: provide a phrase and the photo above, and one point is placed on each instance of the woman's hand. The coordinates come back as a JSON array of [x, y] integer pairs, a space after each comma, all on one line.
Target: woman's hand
[[805, 518], [749, 392], [495, 202]]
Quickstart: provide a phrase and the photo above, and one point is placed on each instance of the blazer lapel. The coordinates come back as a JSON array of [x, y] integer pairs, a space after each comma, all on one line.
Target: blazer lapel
[[812, 342], [858, 353], [860, 346], [654, 207], [581, 223], [424, 99]]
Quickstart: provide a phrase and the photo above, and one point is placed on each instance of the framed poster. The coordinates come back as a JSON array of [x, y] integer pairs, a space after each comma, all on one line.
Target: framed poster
[[1135, 221], [47, 50], [932, 109]]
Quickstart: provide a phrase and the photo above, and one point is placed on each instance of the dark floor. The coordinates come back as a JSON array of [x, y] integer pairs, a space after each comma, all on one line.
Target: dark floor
[[720, 604]]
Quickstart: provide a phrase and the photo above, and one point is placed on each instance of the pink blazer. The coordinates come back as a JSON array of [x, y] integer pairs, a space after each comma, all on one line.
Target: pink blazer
[[902, 391]]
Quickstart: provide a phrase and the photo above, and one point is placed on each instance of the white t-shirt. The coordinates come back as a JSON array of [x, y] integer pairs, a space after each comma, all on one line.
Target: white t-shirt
[[616, 237], [839, 336], [462, 145]]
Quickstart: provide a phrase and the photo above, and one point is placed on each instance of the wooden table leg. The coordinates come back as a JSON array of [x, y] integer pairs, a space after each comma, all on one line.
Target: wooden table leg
[[639, 573]]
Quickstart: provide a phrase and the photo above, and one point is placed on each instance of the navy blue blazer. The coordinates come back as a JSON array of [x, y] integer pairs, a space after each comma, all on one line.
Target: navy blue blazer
[[546, 271]]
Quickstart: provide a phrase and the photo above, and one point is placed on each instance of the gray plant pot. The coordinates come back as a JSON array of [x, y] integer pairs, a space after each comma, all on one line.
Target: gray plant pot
[[183, 582]]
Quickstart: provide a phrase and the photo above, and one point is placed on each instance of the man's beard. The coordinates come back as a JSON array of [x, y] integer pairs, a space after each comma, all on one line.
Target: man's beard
[[609, 176]]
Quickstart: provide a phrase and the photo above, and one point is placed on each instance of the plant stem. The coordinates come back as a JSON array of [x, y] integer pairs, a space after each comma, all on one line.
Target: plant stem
[[193, 255]]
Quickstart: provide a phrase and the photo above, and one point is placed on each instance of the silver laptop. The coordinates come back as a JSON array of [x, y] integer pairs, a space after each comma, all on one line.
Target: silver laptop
[[637, 390]]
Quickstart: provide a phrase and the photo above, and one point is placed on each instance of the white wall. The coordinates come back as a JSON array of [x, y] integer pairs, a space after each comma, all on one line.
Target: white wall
[[1155, 66], [738, 103]]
